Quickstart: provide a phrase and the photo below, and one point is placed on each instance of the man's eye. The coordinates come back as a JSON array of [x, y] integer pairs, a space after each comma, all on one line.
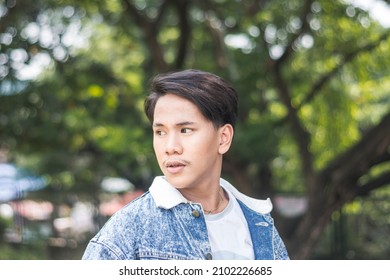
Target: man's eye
[[186, 130], [159, 132]]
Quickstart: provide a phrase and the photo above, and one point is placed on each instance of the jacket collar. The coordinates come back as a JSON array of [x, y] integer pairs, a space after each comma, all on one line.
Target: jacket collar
[[166, 196]]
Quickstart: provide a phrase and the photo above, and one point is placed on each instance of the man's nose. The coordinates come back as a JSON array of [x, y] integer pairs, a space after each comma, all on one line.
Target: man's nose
[[173, 145]]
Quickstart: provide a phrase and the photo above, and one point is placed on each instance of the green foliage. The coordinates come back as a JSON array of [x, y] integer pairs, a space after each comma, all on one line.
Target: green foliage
[[4, 223], [359, 230], [36, 251]]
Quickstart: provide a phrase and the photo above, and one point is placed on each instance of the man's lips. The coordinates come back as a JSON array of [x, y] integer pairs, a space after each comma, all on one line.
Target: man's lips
[[175, 166]]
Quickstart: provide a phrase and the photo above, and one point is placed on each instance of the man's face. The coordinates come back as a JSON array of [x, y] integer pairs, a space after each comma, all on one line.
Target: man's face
[[186, 144]]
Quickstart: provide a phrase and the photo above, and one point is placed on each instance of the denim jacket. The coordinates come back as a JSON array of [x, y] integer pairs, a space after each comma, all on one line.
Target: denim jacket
[[162, 224]]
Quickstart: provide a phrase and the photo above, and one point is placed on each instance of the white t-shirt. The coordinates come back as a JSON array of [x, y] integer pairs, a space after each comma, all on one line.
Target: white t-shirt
[[229, 234]]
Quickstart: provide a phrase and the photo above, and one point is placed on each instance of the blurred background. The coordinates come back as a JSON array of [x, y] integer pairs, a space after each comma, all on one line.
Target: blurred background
[[314, 120]]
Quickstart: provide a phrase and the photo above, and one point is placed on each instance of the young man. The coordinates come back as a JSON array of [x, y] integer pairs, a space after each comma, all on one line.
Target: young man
[[190, 213]]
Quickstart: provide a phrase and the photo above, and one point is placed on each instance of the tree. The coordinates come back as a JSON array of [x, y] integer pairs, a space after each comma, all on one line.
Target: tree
[[314, 105]]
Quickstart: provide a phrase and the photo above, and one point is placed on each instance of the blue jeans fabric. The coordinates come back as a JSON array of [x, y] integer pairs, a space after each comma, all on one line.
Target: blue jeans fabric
[[142, 230]]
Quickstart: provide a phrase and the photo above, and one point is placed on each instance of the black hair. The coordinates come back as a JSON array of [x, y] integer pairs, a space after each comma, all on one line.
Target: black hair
[[215, 97]]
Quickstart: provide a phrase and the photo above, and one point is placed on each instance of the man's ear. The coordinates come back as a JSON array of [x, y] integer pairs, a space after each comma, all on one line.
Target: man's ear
[[226, 133]]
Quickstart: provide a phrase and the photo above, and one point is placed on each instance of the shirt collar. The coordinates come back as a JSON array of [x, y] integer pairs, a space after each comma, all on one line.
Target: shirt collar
[[166, 196]]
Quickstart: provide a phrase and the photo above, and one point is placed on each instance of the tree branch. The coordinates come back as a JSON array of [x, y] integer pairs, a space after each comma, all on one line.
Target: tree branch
[[356, 161], [150, 30], [302, 137], [185, 32], [315, 90], [304, 28], [374, 184]]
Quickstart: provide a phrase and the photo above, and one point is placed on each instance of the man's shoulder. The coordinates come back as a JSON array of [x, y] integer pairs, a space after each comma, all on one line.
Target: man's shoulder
[[130, 214], [144, 201]]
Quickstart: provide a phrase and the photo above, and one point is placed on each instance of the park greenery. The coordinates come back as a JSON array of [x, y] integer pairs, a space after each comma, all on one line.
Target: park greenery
[[313, 78]]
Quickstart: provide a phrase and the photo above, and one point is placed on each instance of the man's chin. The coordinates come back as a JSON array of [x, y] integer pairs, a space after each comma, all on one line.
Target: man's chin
[[175, 181]]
